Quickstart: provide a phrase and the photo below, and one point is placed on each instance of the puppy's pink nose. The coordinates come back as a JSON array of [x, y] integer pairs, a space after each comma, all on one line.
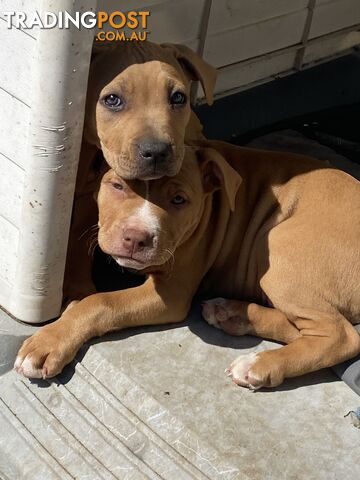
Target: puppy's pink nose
[[135, 240]]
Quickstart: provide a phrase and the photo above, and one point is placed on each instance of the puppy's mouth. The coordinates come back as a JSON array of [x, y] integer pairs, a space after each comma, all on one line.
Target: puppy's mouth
[[130, 262], [128, 166], [140, 263], [138, 258]]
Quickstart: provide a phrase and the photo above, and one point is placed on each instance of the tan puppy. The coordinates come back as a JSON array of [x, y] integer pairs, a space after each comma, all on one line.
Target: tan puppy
[[138, 105], [138, 113], [280, 230]]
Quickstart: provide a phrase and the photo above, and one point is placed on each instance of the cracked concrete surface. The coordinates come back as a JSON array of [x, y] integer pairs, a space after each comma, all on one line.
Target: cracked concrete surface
[[155, 403]]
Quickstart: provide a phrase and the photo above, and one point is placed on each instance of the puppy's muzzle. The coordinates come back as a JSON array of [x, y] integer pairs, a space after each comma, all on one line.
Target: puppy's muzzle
[[135, 241], [155, 158]]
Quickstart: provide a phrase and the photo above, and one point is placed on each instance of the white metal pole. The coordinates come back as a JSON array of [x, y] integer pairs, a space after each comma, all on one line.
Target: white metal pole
[[59, 81]]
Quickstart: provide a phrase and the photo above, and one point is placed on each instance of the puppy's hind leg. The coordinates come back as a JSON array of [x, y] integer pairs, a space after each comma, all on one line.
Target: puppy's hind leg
[[242, 318], [324, 341]]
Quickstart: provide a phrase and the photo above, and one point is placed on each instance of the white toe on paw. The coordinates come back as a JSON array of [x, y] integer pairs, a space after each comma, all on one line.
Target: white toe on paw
[[240, 371], [212, 314], [26, 368], [18, 362]]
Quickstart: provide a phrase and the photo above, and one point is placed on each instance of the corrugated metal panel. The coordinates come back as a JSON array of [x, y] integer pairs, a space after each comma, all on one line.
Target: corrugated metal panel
[[169, 21], [334, 15], [254, 40], [234, 14], [250, 41], [331, 46], [125, 5], [241, 75], [252, 72], [177, 22]]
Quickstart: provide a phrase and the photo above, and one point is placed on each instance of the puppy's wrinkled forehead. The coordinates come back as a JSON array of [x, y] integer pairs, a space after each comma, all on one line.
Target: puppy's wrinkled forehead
[[150, 80], [112, 63]]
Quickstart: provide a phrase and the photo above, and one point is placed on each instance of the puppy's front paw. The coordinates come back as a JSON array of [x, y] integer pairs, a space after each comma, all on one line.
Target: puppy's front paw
[[226, 315], [256, 370], [44, 354], [242, 374]]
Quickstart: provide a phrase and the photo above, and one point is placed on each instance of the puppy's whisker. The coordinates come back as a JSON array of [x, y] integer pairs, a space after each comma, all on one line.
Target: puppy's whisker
[[170, 260], [171, 253], [92, 239], [92, 245], [91, 229]]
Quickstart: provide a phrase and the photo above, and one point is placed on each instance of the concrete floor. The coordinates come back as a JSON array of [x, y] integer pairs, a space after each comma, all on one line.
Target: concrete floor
[[154, 403]]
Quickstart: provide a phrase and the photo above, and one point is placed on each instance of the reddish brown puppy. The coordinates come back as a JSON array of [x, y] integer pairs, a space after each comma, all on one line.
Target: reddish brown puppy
[[281, 231]]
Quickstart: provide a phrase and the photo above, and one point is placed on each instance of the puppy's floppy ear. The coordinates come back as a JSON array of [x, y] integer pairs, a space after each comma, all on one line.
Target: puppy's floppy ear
[[217, 173], [197, 68]]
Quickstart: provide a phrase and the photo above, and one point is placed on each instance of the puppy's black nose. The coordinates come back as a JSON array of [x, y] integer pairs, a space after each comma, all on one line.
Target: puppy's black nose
[[154, 151]]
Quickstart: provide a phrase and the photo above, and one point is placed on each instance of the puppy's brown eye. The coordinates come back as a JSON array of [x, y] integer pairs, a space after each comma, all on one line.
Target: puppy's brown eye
[[178, 200], [113, 102], [117, 186], [177, 98]]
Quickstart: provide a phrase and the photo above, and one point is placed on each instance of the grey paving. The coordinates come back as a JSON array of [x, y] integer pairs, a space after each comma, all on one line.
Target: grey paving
[[154, 403]]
